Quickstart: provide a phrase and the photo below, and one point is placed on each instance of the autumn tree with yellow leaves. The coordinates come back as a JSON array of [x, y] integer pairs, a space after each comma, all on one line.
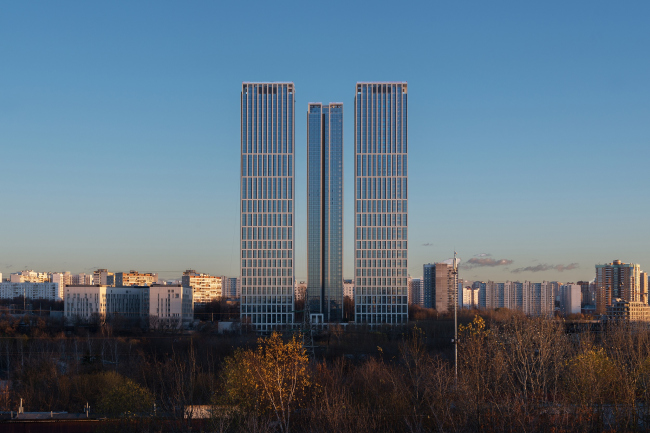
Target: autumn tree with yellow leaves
[[272, 380]]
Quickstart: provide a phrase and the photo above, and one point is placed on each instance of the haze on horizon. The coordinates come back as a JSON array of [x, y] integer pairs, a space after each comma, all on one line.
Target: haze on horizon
[[528, 129]]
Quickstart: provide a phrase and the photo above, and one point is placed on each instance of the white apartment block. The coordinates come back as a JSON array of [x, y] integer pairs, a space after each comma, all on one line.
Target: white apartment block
[[62, 278], [84, 302], [470, 297], [206, 288], [47, 290], [28, 277], [82, 279], [171, 304], [348, 288], [535, 299]]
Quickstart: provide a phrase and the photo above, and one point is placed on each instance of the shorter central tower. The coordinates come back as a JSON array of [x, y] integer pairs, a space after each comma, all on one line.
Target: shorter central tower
[[325, 210]]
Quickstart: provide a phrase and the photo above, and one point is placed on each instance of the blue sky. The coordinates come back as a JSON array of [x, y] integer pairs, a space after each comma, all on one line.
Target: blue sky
[[529, 128]]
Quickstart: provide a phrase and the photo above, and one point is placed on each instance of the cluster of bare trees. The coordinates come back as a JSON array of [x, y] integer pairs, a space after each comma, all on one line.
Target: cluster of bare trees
[[514, 374]]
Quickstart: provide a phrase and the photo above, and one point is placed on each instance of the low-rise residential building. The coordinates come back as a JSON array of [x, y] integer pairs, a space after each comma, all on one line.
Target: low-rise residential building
[[47, 290], [206, 288], [87, 301], [631, 311], [171, 305], [154, 305], [134, 278]]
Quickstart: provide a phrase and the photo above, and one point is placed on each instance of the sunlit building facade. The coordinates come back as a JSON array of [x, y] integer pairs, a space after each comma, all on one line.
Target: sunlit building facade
[[267, 204], [617, 280], [381, 209]]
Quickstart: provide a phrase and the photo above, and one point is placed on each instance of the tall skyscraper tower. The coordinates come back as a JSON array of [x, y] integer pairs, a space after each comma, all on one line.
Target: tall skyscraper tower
[[267, 205], [380, 171], [325, 210]]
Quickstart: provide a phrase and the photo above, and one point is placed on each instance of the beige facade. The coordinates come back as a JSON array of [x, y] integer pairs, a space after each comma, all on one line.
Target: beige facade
[[348, 288], [134, 278], [206, 288], [299, 289], [632, 311], [445, 287]]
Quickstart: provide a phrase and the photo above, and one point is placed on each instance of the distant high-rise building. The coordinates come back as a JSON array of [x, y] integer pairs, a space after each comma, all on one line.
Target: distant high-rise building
[[267, 204], [205, 288], [300, 289], [570, 298], [381, 193], [103, 277], [588, 294], [644, 287], [541, 301], [325, 210], [348, 289], [617, 280], [230, 287], [440, 284], [470, 297], [535, 299], [428, 285], [415, 291]]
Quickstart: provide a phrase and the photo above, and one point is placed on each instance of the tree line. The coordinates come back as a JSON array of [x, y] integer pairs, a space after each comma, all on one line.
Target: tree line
[[515, 373]]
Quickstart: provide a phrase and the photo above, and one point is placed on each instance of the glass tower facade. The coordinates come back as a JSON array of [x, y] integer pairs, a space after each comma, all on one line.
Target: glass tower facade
[[325, 210], [381, 208], [267, 204]]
